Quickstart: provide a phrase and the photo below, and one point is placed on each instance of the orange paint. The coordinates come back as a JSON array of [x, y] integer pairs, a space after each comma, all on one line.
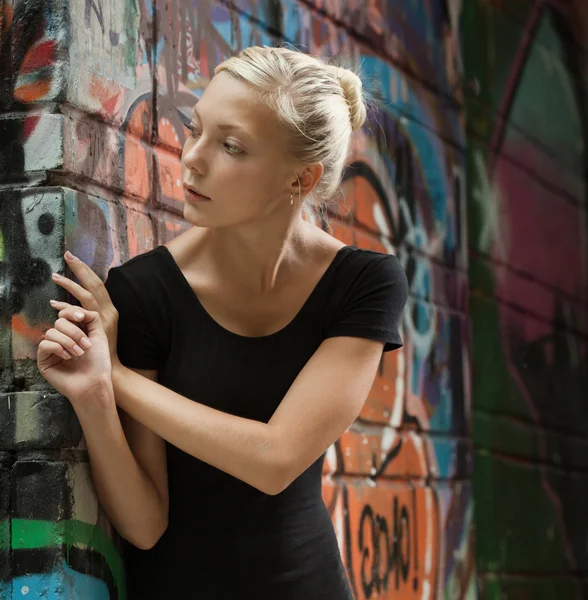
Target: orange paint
[[32, 92]]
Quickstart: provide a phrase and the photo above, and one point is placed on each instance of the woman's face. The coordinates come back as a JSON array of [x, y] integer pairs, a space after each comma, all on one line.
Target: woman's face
[[236, 156]]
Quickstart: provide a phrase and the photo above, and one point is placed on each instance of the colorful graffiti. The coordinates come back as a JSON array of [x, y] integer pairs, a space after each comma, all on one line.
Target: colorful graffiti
[[54, 540], [397, 484], [95, 96], [527, 190]]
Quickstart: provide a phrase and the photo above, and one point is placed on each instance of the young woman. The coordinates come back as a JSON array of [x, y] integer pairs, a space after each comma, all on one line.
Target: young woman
[[238, 352]]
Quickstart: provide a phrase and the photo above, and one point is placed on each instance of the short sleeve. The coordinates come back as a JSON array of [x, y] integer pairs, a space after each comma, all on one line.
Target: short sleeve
[[373, 303], [137, 345]]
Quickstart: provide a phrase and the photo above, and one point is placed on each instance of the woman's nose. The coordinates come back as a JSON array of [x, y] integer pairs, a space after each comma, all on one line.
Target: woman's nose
[[194, 156]]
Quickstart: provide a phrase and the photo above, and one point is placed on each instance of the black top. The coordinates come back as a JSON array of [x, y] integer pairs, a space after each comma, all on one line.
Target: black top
[[226, 539]]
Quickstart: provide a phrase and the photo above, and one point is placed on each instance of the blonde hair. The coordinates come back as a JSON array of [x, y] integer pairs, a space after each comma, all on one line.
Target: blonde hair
[[318, 105]]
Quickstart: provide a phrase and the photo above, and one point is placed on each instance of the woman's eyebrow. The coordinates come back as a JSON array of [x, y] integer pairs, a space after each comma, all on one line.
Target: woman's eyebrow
[[226, 126]]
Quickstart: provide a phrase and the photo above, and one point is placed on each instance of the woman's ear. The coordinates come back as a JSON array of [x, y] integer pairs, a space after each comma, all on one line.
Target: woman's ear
[[307, 179]]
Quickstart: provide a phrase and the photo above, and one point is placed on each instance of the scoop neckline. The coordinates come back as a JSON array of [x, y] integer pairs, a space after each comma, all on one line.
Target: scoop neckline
[[164, 250]]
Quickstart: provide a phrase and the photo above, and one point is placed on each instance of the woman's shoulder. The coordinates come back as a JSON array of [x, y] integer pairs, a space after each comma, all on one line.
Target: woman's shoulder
[[150, 276], [143, 263], [365, 264], [143, 273]]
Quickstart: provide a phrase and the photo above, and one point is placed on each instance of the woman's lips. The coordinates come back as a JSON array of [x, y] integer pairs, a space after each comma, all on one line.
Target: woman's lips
[[190, 196]]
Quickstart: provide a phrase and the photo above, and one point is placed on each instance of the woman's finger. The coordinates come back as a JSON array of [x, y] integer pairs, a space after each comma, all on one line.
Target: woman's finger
[[89, 281], [66, 342], [72, 331], [77, 291], [73, 313], [69, 311], [77, 314], [60, 304], [89, 318], [47, 348]]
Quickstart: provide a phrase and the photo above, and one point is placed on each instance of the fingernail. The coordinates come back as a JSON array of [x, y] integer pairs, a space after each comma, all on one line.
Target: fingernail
[[78, 350], [53, 302], [66, 354], [85, 343], [69, 255], [57, 276], [78, 315]]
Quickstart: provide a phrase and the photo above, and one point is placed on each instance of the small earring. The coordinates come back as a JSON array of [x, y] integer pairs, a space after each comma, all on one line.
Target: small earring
[[291, 199]]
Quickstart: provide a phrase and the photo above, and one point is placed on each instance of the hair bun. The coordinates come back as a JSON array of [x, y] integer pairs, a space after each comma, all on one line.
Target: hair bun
[[353, 93]]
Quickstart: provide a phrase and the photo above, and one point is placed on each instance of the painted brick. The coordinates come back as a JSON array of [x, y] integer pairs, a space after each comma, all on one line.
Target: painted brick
[[5, 466], [34, 143], [58, 547], [481, 107], [37, 421]]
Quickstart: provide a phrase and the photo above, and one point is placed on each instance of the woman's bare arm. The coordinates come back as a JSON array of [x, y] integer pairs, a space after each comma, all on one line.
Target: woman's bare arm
[[322, 402], [129, 471]]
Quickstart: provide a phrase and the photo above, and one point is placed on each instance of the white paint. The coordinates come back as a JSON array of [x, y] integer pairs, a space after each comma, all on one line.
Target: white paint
[[44, 149], [396, 416], [331, 458], [430, 525], [389, 436], [382, 223], [426, 590], [487, 195], [27, 417], [24, 590], [85, 505], [420, 447], [91, 50]]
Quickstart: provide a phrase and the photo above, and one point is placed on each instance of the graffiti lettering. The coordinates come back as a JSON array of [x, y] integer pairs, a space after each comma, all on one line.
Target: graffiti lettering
[[92, 6], [385, 550]]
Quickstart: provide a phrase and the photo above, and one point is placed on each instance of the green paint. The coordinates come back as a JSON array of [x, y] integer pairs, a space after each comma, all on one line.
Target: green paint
[[526, 440], [504, 435], [132, 25], [517, 525], [492, 385], [523, 509], [30, 534], [557, 588]]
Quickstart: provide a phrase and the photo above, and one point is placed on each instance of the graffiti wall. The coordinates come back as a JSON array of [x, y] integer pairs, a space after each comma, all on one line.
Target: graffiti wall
[[95, 100], [527, 192]]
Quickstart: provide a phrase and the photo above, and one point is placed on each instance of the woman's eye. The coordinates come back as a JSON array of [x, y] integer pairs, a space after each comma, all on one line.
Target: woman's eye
[[232, 149], [193, 131]]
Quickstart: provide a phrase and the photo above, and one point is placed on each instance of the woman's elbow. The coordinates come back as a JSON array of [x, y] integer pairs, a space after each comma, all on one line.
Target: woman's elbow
[[146, 536], [278, 477]]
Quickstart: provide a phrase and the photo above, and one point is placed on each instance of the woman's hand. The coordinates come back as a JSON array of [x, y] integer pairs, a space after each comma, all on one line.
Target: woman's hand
[[93, 296], [59, 360], [74, 356]]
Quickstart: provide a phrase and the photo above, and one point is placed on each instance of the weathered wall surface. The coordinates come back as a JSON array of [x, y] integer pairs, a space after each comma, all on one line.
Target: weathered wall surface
[[94, 99], [528, 233]]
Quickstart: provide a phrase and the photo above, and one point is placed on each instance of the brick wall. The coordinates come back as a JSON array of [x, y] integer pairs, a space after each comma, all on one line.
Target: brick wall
[[94, 96], [527, 228]]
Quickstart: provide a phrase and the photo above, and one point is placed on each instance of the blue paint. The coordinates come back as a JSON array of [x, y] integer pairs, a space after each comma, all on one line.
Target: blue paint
[[5, 590], [62, 583], [445, 456], [419, 126]]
